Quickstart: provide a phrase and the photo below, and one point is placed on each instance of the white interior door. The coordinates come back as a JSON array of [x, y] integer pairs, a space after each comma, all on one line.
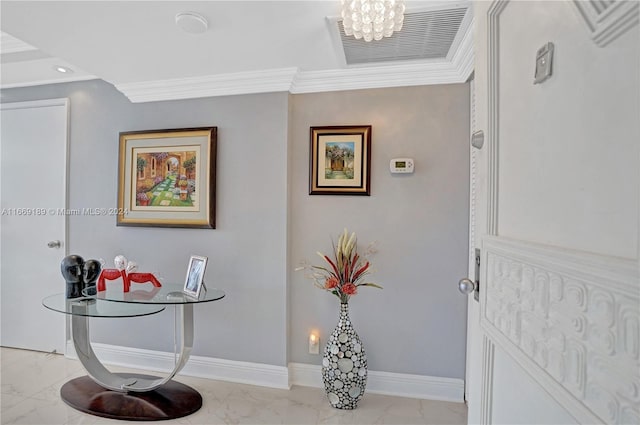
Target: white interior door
[[33, 153], [556, 336]]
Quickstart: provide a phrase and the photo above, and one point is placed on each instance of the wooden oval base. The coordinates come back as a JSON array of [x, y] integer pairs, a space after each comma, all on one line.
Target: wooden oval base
[[172, 400]]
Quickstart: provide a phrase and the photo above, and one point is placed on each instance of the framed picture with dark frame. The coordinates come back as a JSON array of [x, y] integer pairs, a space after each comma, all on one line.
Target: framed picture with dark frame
[[195, 276], [167, 178], [340, 160]]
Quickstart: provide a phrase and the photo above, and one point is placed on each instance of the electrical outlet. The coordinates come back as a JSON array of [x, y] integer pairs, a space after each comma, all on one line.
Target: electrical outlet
[[314, 343]]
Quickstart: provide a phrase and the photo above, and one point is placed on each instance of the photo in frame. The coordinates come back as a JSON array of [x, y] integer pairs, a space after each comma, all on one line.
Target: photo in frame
[[195, 276], [167, 178], [340, 160]]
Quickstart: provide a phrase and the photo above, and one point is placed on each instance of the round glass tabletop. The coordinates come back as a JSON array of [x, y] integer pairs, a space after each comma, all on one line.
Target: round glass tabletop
[[146, 294], [90, 307]]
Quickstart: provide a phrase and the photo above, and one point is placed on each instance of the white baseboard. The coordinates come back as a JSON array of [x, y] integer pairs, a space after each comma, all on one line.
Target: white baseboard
[[394, 384], [202, 367], [305, 375]]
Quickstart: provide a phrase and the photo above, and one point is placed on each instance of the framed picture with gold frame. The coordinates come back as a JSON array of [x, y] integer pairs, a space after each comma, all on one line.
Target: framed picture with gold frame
[[167, 178], [340, 160]]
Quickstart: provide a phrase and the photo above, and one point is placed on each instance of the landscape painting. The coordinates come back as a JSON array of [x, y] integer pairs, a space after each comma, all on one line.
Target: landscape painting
[[167, 178], [340, 160]]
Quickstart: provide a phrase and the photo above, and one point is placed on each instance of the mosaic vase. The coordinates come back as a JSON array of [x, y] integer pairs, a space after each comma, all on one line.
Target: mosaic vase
[[344, 364]]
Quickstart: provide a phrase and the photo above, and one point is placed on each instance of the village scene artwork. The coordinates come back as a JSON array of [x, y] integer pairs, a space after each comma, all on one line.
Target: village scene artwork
[[165, 179], [339, 158]]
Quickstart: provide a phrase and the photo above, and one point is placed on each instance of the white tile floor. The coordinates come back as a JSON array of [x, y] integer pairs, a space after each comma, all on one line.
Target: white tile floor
[[31, 383]]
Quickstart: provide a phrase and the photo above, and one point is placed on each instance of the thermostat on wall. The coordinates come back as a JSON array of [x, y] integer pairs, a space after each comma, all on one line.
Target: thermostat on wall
[[401, 165]]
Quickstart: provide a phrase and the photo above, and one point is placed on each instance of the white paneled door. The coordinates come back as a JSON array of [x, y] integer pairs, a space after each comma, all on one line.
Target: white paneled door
[[555, 336], [33, 154]]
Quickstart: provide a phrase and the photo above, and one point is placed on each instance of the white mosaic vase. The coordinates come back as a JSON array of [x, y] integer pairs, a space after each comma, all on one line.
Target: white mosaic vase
[[344, 364]]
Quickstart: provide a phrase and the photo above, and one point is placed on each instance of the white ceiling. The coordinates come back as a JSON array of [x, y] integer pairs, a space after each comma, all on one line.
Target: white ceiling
[[250, 46]]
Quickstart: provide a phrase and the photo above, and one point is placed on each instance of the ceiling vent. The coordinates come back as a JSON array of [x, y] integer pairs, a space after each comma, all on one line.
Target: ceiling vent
[[424, 35]]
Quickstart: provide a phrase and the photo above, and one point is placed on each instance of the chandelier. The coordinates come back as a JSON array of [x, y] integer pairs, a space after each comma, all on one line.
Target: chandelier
[[372, 19]]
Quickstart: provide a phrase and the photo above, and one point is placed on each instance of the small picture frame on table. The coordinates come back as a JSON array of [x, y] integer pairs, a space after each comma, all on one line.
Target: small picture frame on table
[[194, 281]]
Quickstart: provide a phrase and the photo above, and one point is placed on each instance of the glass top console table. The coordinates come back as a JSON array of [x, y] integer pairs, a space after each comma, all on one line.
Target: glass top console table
[[130, 396]]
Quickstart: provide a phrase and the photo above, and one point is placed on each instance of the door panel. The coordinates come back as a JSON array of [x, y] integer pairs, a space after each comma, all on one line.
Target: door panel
[[540, 406], [560, 286], [568, 318], [565, 143], [34, 162]]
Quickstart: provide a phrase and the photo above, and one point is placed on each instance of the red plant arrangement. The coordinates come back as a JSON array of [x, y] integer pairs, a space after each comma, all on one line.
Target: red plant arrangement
[[346, 272]]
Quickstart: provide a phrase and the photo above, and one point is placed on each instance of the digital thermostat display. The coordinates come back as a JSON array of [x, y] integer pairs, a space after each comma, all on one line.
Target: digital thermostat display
[[401, 165]]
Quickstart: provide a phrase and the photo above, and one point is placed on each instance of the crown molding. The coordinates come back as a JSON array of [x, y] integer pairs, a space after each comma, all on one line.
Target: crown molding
[[10, 44], [455, 68], [71, 79], [464, 57], [272, 80], [375, 77]]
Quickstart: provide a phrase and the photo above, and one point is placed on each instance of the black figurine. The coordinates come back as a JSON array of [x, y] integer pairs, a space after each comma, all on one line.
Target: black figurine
[[92, 270], [79, 274], [72, 268]]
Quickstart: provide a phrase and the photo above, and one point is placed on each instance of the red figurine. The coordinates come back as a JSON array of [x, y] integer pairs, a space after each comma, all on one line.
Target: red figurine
[[126, 270], [143, 278]]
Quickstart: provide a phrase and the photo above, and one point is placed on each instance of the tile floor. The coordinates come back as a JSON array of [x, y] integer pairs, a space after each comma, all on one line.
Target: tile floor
[[31, 383]]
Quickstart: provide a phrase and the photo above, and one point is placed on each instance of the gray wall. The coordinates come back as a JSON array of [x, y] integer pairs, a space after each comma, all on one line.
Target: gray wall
[[267, 223], [417, 323], [247, 251]]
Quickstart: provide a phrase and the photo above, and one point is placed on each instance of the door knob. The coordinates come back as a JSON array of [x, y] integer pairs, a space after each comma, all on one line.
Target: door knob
[[466, 286], [54, 244]]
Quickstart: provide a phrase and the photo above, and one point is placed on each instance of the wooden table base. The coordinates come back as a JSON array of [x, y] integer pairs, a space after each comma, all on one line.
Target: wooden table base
[[172, 400]]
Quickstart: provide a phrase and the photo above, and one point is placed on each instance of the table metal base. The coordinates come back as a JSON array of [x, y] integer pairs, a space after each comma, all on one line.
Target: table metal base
[[171, 400], [183, 337]]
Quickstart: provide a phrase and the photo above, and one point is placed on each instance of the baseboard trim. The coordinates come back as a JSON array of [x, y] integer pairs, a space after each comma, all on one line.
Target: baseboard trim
[[394, 384], [387, 383], [201, 367]]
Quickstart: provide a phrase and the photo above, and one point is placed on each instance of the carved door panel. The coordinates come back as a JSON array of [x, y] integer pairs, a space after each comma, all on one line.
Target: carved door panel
[[560, 286]]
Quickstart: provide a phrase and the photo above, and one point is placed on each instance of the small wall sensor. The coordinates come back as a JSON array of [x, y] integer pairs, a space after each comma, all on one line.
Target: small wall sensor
[[401, 165]]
